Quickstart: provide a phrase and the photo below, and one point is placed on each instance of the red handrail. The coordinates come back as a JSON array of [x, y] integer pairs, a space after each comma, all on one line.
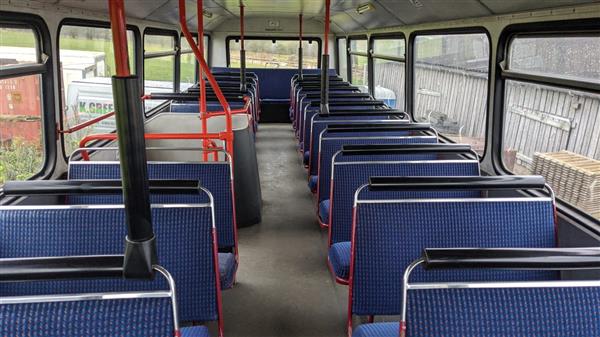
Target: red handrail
[[119, 33], [213, 82], [327, 16], [182, 136], [202, 106], [87, 123]]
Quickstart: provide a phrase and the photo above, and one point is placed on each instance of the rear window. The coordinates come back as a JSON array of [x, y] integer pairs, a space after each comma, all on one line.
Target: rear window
[[274, 53]]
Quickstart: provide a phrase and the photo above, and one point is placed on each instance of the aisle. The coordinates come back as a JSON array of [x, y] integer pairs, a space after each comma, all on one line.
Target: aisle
[[284, 287]]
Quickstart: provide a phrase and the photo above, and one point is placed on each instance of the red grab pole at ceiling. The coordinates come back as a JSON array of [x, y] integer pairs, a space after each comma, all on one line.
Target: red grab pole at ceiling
[[119, 33], [211, 79], [326, 44], [202, 93]]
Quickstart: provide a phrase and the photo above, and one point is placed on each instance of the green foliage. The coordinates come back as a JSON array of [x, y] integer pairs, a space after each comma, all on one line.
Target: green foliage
[[19, 160]]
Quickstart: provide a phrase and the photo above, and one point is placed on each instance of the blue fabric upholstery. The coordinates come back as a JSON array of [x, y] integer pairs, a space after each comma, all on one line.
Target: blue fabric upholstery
[[339, 257], [312, 183], [139, 317], [330, 144], [383, 227], [195, 331], [377, 330], [320, 123], [306, 157], [216, 177], [324, 211], [227, 268], [185, 248], [564, 312], [349, 176]]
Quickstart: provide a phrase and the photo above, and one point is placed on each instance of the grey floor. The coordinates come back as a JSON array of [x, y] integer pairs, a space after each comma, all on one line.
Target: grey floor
[[284, 287]]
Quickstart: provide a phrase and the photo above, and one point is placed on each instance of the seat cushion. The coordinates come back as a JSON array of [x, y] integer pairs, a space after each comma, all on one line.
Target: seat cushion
[[377, 330], [324, 211], [227, 268], [195, 331], [312, 183], [306, 157], [339, 257]]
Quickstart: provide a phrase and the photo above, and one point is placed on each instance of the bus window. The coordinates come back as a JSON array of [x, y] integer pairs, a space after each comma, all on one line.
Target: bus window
[[21, 137], [388, 70], [87, 62], [552, 131], [451, 82], [274, 53], [187, 69], [342, 58], [159, 65], [359, 63]]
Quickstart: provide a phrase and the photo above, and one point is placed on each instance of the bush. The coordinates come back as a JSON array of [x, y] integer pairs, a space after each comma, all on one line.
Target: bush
[[19, 160]]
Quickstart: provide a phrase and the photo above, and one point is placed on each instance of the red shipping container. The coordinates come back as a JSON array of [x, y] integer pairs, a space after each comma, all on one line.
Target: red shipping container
[[20, 109]]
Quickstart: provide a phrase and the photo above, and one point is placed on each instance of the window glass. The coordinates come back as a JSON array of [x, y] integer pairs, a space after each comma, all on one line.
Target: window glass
[[575, 57], [388, 75], [159, 71], [358, 45], [87, 62], [342, 59], [17, 46], [274, 53], [555, 132], [451, 81], [188, 65], [389, 47], [21, 135], [360, 71]]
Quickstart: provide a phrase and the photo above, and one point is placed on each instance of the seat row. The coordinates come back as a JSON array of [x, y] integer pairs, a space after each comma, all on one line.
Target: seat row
[[193, 211], [391, 195]]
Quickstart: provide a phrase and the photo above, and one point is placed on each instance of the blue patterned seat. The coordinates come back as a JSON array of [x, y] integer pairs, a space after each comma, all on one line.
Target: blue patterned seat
[[227, 269], [324, 207], [350, 173], [377, 330], [390, 234], [339, 260], [185, 248], [89, 314], [330, 143]]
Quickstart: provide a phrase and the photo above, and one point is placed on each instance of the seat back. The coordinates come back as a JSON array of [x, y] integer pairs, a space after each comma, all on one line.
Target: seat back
[[185, 248], [214, 176], [389, 234], [319, 124], [331, 143], [351, 172], [148, 313]]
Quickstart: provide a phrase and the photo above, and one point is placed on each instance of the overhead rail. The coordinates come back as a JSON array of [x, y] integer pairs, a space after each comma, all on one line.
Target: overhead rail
[[325, 63]]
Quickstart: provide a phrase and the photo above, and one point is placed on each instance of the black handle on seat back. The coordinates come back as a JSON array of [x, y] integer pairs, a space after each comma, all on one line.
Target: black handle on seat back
[[405, 149], [367, 112], [315, 96], [453, 183], [183, 96], [54, 268], [72, 187], [316, 103], [366, 126], [512, 258]]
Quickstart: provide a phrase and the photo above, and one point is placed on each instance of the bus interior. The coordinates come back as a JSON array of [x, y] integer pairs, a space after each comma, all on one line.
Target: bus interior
[[266, 168]]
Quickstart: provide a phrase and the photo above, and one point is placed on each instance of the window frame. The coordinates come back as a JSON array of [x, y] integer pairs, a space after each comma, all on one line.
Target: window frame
[[46, 71], [197, 66], [283, 38], [137, 62], [373, 56], [410, 77], [570, 27], [360, 53], [150, 55], [338, 53]]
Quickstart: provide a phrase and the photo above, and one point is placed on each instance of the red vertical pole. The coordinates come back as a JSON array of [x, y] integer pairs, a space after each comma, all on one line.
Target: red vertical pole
[[327, 18], [211, 79], [202, 106], [119, 33]]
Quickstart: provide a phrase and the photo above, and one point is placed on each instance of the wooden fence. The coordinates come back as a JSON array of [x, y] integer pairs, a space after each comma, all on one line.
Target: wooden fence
[[538, 118]]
